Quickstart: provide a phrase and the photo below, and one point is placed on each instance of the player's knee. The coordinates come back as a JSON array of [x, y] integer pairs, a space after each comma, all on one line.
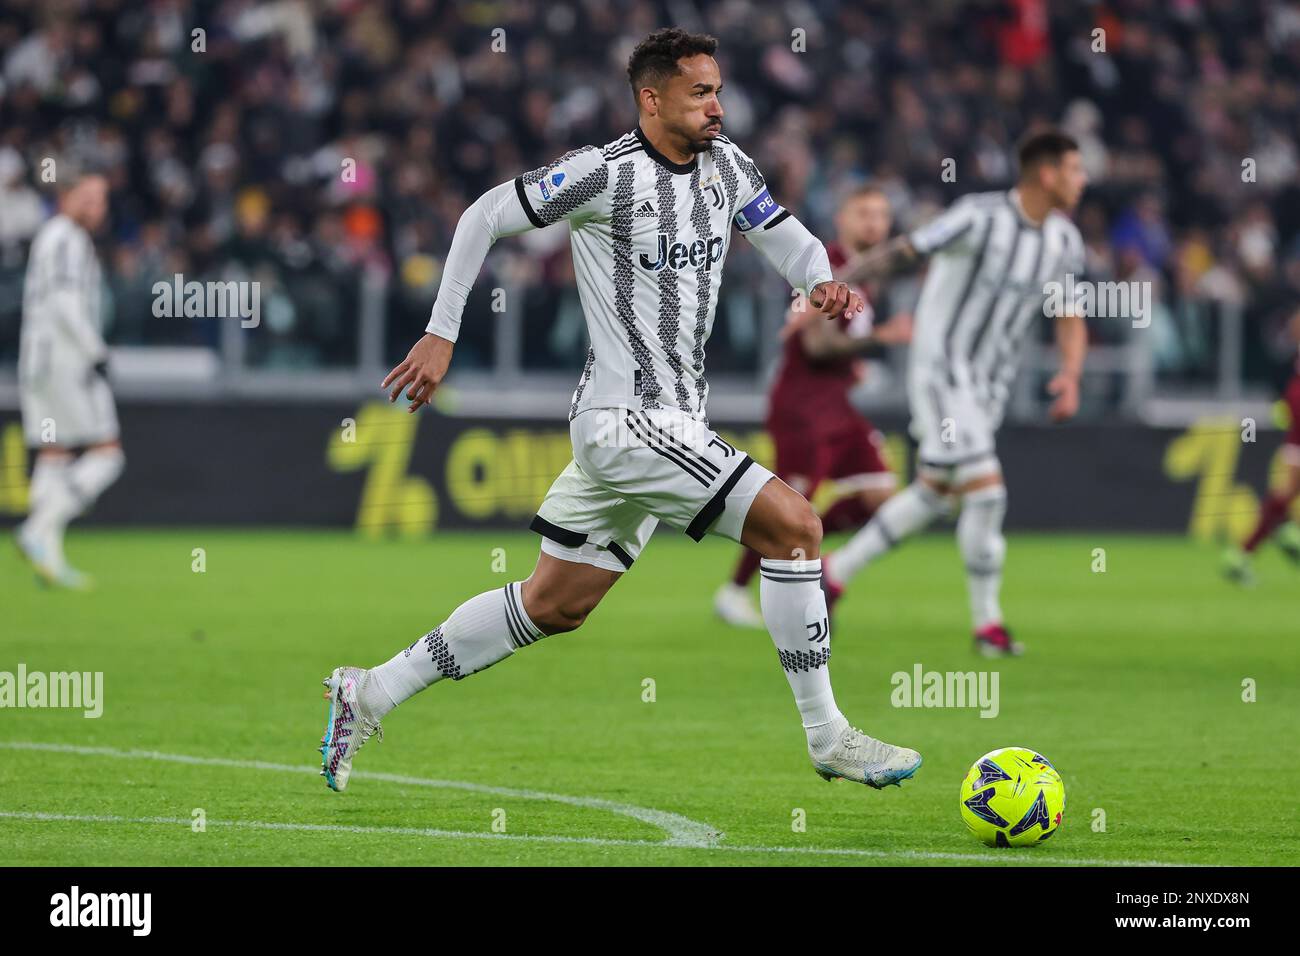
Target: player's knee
[[112, 453], [982, 548], [981, 542], [801, 531], [559, 615]]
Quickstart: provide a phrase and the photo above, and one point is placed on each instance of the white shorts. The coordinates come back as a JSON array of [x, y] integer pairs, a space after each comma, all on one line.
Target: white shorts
[[630, 470], [952, 428], [68, 411]]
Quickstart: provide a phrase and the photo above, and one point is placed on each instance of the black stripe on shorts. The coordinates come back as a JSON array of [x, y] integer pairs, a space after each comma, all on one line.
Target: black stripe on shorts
[[570, 539], [710, 512]]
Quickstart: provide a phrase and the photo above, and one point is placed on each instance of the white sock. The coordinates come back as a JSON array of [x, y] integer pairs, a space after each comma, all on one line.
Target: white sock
[[903, 514], [62, 490], [794, 610], [78, 486], [91, 474], [983, 549], [482, 631], [47, 473]]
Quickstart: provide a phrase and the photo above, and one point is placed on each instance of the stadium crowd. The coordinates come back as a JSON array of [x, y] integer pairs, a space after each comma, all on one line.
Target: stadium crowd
[[226, 147]]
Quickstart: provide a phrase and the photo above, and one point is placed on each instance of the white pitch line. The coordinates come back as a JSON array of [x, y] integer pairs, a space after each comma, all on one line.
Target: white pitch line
[[42, 817], [682, 831], [39, 816]]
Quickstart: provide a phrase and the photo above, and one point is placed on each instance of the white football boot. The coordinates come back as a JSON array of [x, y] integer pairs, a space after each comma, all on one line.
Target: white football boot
[[36, 553], [347, 727], [45, 556], [735, 606], [862, 759]]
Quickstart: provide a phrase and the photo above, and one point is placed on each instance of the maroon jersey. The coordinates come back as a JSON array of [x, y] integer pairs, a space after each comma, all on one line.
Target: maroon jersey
[[814, 394]]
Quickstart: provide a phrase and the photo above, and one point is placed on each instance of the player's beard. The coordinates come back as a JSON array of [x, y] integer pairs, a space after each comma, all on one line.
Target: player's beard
[[702, 145]]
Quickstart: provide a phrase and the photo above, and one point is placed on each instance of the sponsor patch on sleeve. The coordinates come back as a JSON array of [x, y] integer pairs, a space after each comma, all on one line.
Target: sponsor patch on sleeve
[[762, 208], [550, 185]]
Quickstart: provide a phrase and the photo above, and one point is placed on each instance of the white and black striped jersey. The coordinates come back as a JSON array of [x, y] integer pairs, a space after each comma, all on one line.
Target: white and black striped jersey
[[986, 284], [649, 238], [61, 301]]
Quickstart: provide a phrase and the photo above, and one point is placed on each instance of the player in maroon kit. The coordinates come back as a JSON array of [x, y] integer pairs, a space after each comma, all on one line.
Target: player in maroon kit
[[1276, 504], [817, 433]]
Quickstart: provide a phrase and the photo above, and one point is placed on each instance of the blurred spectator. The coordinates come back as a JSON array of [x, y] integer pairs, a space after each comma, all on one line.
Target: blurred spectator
[[336, 140]]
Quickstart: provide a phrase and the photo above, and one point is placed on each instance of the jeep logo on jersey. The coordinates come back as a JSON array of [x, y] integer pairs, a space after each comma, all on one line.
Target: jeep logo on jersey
[[679, 255]]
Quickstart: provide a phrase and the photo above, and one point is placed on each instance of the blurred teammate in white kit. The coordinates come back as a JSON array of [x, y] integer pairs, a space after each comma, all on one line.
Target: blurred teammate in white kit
[[69, 419]]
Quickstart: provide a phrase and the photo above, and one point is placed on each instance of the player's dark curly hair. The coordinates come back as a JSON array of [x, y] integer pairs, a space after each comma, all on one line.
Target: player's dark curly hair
[[655, 58]]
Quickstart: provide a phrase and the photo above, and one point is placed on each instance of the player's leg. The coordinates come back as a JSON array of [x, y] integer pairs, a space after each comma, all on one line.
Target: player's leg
[[682, 472], [782, 526], [589, 538], [798, 464], [903, 514], [1287, 534], [555, 599], [64, 487], [915, 507], [39, 399], [859, 469], [1272, 521], [854, 509], [482, 631], [34, 536], [1276, 504], [983, 548], [74, 491]]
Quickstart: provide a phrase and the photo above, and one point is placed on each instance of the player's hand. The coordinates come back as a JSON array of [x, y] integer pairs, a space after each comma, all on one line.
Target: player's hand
[[1065, 389], [421, 372], [835, 298], [97, 371], [897, 331]]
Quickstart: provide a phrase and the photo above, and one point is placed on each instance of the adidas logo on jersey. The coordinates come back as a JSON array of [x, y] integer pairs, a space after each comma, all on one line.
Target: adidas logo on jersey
[[645, 211]]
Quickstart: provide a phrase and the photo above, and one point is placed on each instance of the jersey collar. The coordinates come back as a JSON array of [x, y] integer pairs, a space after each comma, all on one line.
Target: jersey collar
[[663, 160], [1013, 200]]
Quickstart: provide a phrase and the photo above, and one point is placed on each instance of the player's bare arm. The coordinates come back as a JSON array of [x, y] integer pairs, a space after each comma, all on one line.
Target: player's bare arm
[[1072, 343], [881, 261], [827, 340], [421, 372]]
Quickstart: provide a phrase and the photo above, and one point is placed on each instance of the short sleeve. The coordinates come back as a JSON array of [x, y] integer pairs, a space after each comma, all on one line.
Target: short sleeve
[[573, 187], [949, 227]]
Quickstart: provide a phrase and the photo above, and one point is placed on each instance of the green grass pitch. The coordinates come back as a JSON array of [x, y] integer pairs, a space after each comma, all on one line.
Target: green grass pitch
[[1132, 685]]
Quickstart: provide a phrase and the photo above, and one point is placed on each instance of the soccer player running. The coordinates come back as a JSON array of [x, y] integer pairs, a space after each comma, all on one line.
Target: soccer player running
[[992, 256], [1273, 510], [69, 419], [817, 433], [650, 219]]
